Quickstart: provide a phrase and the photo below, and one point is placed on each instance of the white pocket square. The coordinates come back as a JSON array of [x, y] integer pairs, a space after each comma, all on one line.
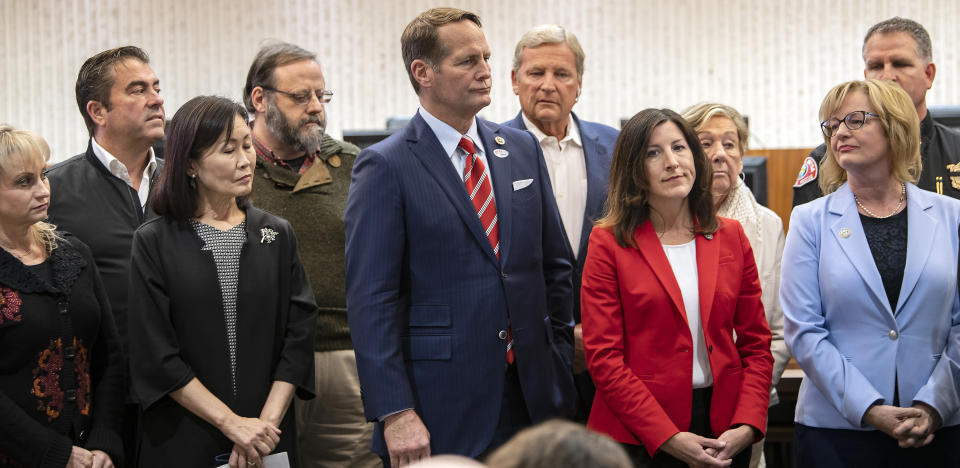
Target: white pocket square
[[521, 184]]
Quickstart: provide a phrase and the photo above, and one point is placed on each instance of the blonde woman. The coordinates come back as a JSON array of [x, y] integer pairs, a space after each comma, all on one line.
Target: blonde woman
[[869, 294], [61, 372]]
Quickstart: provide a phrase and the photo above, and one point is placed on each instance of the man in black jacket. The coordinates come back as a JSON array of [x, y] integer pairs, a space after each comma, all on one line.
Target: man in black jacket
[[101, 195], [899, 49]]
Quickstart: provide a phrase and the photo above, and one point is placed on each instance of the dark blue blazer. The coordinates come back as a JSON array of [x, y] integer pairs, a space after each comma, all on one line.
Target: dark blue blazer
[[598, 142], [427, 298]]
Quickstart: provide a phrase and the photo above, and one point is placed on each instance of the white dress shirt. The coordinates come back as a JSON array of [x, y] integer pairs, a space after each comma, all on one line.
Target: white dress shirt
[[120, 171], [568, 176], [683, 261], [450, 141]]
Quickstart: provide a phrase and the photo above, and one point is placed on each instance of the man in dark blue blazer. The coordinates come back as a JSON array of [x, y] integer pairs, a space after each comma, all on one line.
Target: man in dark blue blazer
[[547, 76], [460, 303]]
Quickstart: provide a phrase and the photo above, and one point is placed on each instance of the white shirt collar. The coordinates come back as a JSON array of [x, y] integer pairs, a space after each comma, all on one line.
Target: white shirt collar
[[449, 137], [573, 133], [117, 168]]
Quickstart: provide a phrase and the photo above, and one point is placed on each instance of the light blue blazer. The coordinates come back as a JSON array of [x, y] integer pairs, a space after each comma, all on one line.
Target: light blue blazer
[[837, 319]]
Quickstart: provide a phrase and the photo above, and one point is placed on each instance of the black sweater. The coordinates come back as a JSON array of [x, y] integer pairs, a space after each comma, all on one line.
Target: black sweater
[[61, 371]]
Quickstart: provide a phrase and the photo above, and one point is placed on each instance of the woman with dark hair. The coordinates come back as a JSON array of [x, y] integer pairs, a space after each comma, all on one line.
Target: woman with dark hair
[[61, 370], [673, 324], [221, 315]]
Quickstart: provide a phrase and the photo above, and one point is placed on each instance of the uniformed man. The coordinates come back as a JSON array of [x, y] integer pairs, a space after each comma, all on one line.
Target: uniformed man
[[899, 49]]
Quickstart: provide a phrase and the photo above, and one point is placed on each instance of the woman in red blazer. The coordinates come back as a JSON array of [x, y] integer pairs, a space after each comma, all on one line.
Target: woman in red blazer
[[673, 326]]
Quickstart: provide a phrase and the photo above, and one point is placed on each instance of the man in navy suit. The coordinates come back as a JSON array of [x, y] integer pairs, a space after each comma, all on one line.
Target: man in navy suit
[[458, 276], [547, 76]]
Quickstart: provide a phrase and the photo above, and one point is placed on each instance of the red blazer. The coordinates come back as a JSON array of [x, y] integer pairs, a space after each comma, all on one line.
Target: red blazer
[[638, 344]]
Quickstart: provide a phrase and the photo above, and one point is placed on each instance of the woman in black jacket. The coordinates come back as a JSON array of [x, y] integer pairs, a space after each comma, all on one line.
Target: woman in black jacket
[[61, 372], [222, 318]]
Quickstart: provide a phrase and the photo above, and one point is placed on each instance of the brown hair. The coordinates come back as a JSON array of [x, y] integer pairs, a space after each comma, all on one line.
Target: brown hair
[[270, 57], [897, 24], [96, 77], [195, 127], [627, 204], [420, 39], [559, 443], [900, 124]]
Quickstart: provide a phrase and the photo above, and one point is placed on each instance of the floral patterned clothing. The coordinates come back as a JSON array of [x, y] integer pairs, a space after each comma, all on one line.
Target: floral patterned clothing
[[61, 371]]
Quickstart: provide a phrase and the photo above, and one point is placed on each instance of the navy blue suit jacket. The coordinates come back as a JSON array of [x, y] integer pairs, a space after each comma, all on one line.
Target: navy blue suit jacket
[[427, 298], [598, 142]]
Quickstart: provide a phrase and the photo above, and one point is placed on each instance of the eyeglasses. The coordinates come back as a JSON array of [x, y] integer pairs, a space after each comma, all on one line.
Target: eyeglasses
[[302, 97], [853, 121]]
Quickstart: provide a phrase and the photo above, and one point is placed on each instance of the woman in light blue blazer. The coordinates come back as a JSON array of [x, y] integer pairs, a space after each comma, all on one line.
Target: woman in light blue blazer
[[869, 294]]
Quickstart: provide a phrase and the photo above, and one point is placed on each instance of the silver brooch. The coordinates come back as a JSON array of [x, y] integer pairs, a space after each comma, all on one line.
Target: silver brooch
[[708, 236], [844, 233], [267, 235]]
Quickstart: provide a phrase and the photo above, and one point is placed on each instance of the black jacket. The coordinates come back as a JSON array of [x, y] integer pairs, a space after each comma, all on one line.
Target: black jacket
[[103, 212], [177, 324], [61, 372], [939, 153]]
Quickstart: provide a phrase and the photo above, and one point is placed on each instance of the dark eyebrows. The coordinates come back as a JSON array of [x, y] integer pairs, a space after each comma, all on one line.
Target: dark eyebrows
[[144, 84]]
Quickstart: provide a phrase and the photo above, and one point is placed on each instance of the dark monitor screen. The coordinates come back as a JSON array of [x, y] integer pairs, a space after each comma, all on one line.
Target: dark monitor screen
[[946, 115], [755, 176], [365, 138]]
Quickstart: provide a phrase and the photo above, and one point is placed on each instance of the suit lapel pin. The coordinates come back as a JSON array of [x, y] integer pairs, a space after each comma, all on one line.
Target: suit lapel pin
[[267, 235], [844, 233], [500, 152], [499, 140]]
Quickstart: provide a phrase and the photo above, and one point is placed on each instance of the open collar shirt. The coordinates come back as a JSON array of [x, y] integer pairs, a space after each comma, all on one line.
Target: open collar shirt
[[119, 170], [568, 176]]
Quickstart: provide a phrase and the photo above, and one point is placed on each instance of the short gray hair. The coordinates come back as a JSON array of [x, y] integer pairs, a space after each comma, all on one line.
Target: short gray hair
[[549, 34], [269, 58], [909, 26]]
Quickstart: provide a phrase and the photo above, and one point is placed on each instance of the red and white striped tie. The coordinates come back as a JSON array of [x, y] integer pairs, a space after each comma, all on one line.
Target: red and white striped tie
[[477, 181]]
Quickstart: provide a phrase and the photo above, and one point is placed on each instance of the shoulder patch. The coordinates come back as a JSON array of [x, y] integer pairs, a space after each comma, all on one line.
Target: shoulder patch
[[808, 172]]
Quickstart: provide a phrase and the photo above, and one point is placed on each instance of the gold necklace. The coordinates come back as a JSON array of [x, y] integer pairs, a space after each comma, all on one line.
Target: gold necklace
[[903, 194]]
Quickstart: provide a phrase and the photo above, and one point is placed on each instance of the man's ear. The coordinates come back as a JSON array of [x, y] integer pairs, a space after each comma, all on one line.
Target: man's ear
[[258, 100], [422, 72], [930, 71], [513, 79], [97, 112]]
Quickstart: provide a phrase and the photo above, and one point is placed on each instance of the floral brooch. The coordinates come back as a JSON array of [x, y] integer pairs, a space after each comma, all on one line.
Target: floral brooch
[[267, 235], [10, 306]]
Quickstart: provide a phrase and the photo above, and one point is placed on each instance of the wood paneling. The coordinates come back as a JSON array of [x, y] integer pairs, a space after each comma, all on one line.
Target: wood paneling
[[783, 165]]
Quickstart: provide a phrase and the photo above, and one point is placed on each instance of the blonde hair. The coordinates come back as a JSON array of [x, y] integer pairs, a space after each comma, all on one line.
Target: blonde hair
[[699, 114], [20, 148], [900, 123]]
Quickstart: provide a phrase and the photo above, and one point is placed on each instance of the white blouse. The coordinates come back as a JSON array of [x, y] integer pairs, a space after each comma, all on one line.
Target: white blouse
[[683, 262]]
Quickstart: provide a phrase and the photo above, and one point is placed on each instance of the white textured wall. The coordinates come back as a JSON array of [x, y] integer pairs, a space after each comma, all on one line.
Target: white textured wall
[[772, 60]]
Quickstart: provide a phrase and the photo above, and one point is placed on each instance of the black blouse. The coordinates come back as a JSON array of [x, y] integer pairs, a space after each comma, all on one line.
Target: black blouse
[[61, 369], [178, 332], [887, 238]]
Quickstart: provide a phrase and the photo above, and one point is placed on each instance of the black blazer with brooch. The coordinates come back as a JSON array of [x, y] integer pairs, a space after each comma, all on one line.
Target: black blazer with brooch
[[61, 370], [178, 332]]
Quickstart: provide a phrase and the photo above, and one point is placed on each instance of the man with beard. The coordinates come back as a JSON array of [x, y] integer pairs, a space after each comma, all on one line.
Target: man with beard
[[303, 175]]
